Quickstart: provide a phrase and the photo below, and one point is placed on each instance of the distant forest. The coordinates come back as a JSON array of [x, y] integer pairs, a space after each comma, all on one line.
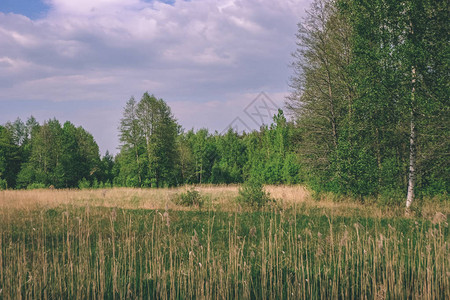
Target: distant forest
[[155, 152], [370, 105]]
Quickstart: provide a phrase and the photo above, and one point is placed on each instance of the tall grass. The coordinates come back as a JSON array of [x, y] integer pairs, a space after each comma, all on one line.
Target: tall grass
[[89, 252]]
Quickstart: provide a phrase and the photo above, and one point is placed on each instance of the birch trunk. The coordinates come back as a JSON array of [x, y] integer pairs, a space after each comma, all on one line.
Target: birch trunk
[[412, 146], [412, 164]]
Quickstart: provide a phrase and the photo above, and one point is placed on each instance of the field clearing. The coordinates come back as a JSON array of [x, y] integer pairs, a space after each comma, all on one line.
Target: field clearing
[[219, 197], [138, 244]]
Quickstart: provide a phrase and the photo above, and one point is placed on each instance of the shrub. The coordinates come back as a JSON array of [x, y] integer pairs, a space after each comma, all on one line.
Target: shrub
[[132, 181], [3, 184], [95, 184], [253, 194], [36, 185], [190, 198], [84, 184], [107, 184]]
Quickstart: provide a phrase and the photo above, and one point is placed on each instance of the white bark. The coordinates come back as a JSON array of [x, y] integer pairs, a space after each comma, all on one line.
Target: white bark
[[412, 147], [412, 164]]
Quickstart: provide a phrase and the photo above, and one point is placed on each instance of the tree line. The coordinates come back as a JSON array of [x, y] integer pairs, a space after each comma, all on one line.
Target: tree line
[[369, 105], [154, 152], [50, 154]]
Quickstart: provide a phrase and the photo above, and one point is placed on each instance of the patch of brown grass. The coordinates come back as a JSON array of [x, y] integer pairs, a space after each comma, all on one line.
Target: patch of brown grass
[[219, 197]]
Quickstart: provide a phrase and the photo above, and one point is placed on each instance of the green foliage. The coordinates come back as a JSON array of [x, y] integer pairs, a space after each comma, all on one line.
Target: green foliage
[[84, 184], [391, 198], [148, 133], [106, 173], [369, 93], [132, 181], [107, 184], [269, 155], [54, 155], [365, 73], [191, 197], [154, 152], [80, 155], [252, 194], [36, 185], [291, 169], [9, 157], [96, 184], [230, 157], [3, 184]]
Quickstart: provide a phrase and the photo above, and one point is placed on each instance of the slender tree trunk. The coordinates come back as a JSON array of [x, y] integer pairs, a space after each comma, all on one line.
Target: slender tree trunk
[[412, 146], [139, 167], [412, 163], [332, 111], [378, 151]]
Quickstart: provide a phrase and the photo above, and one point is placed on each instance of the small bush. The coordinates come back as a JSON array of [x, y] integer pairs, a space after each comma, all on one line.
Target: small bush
[[190, 198], [253, 194], [36, 185], [3, 184], [95, 184], [84, 184]]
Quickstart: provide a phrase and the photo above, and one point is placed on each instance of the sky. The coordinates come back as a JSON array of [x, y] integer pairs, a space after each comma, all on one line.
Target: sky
[[217, 63]]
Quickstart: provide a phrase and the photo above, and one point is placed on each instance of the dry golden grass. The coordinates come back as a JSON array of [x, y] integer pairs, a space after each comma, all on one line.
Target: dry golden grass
[[115, 197], [219, 197], [133, 198]]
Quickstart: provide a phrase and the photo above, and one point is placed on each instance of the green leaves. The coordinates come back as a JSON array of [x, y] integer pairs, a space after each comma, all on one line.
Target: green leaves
[[252, 193], [58, 156], [9, 159], [364, 71], [148, 133]]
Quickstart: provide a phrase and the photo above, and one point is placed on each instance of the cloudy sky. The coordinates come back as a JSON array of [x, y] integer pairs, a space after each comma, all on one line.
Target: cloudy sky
[[81, 60]]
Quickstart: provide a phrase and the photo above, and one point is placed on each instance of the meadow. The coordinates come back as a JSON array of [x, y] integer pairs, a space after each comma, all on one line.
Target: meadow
[[127, 243]]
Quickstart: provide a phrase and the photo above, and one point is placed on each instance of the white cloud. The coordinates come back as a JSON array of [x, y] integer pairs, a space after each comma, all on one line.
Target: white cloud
[[195, 52]]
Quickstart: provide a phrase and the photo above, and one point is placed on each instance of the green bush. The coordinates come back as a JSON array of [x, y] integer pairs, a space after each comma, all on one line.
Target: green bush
[[107, 184], [84, 184], [95, 184], [36, 185], [3, 184], [190, 198], [132, 181], [253, 194]]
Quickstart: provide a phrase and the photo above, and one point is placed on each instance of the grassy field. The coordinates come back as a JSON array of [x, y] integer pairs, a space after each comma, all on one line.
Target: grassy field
[[132, 243]]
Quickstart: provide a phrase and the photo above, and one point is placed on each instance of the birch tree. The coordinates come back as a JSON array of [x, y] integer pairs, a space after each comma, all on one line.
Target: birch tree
[[400, 56], [321, 88]]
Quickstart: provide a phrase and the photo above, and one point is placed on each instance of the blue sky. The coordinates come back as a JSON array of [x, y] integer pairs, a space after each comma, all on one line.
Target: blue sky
[[35, 9], [30, 8], [82, 60]]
